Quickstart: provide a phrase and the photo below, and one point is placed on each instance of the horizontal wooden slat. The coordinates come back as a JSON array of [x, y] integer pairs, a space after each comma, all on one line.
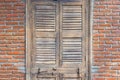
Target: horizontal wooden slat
[[72, 53], [45, 34], [45, 42], [72, 11], [42, 54], [44, 20], [45, 46], [45, 57], [72, 76], [74, 6], [72, 26], [44, 13], [45, 62], [45, 23], [72, 3], [37, 7], [72, 47], [72, 18], [46, 50], [43, 10], [72, 21], [72, 43], [47, 78], [45, 39], [44, 2], [72, 40], [72, 33]]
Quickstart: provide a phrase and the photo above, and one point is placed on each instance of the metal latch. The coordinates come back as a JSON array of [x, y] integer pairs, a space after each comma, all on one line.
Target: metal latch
[[39, 72]]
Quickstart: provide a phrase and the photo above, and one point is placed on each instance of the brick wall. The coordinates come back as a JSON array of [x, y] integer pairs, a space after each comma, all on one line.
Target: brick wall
[[106, 40], [12, 40]]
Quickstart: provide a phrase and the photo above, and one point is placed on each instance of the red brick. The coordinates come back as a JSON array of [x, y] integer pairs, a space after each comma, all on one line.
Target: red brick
[[105, 25], [111, 79], [98, 49], [105, 10], [116, 39], [2, 23], [19, 57], [104, 31], [12, 15], [110, 42], [111, 49], [98, 79], [15, 53], [10, 0], [98, 28], [12, 68], [6, 57], [4, 27], [6, 65], [113, 7], [2, 15], [100, 6], [106, 2], [3, 61], [14, 60], [98, 35], [12, 23], [99, 14], [19, 11]]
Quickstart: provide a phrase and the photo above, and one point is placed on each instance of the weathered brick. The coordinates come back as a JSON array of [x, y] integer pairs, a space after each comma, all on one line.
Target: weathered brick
[[111, 79], [15, 53], [106, 47], [11, 23], [12, 13], [98, 79]]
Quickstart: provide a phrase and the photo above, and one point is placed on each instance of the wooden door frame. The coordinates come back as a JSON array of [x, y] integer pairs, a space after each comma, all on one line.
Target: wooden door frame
[[89, 23]]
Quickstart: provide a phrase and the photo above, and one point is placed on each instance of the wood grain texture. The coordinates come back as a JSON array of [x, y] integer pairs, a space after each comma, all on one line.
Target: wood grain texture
[[59, 36]]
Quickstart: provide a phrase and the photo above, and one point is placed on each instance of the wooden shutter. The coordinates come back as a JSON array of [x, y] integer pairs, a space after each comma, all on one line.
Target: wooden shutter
[[72, 39], [58, 40], [44, 34], [72, 32]]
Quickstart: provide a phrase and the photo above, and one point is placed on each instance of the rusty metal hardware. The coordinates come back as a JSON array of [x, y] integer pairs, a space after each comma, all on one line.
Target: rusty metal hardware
[[45, 72], [40, 72], [54, 69], [78, 72]]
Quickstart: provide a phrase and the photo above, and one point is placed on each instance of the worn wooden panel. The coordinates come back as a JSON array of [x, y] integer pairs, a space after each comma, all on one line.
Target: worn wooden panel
[[58, 40], [71, 79], [46, 78], [45, 16], [45, 33], [72, 32]]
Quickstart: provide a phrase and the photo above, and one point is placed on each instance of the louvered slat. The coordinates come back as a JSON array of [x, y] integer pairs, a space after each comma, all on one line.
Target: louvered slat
[[45, 15], [47, 78], [72, 79], [72, 33]]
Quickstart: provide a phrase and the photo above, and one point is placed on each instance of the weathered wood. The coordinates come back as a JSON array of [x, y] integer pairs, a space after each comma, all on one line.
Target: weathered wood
[[72, 33], [58, 40]]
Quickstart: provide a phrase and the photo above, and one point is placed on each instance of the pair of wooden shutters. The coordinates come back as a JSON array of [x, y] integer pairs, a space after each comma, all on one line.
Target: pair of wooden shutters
[[59, 40]]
